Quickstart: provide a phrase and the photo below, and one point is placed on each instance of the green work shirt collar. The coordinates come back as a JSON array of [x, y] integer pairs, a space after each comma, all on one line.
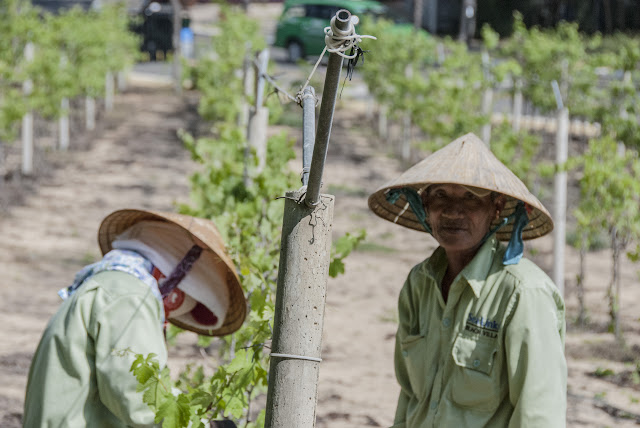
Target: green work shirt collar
[[475, 273]]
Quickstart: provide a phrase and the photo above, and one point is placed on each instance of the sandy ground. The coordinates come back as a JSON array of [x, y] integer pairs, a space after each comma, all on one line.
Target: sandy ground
[[136, 160]]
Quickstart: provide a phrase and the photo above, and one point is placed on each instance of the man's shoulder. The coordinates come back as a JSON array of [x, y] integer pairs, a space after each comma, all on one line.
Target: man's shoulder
[[527, 275]]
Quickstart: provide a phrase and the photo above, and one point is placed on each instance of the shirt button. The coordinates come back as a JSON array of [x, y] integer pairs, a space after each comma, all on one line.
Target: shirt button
[[405, 353], [446, 322], [434, 404], [476, 363]]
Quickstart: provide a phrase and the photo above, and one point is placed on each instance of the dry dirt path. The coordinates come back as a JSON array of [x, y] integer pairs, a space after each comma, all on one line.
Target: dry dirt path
[[137, 161]]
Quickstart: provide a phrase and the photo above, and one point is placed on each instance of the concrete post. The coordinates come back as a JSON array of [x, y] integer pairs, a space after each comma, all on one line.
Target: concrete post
[[560, 199], [90, 113], [108, 91], [383, 127], [487, 98], [517, 106], [177, 64], [302, 278], [27, 119], [259, 117], [63, 137], [299, 313]]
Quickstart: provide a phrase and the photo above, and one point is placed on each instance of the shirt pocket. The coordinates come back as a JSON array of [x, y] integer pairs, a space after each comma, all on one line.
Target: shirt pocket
[[414, 352], [475, 380]]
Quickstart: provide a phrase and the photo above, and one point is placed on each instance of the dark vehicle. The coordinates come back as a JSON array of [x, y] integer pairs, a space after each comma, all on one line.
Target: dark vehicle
[[300, 29], [153, 20]]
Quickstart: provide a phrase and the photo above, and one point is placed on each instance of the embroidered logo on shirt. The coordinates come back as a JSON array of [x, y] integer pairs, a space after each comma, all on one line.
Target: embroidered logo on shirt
[[480, 325]]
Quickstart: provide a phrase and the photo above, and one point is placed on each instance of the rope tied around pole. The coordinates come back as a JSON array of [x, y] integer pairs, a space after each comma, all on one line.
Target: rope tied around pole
[[337, 41], [296, 357]]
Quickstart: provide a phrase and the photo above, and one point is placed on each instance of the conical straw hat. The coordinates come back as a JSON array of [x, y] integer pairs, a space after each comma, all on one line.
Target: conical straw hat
[[119, 221], [466, 161]]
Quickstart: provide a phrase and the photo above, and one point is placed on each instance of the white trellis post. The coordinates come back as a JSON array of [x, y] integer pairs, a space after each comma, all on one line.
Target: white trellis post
[[383, 124], [108, 91], [487, 99], [121, 79], [517, 106], [259, 116], [405, 143], [560, 190], [27, 119], [63, 125], [90, 113], [243, 117]]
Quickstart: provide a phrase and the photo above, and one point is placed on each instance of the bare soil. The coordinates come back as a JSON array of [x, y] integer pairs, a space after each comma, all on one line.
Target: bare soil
[[135, 159]]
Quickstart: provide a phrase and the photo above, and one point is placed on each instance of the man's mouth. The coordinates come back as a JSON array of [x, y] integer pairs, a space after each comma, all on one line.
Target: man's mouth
[[453, 228]]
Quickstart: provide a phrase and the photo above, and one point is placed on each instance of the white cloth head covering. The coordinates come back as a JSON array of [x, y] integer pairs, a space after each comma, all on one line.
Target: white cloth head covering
[[165, 244]]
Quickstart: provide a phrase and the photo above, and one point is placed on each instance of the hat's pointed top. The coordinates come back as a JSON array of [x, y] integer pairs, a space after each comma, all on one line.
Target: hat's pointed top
[[467, 161]]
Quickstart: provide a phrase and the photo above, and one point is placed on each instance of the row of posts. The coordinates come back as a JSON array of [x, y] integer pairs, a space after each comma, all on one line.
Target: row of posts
[[63, 121]]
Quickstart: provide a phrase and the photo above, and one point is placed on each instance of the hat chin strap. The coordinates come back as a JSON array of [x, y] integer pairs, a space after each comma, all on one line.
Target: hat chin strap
[[515, 248], [181, 270]]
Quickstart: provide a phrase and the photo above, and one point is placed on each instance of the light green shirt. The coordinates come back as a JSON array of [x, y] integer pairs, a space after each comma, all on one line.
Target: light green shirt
[[76, 379], [492, 356]]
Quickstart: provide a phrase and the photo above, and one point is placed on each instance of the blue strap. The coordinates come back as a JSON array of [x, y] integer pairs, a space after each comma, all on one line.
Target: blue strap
[[415, 202], [515, 248]]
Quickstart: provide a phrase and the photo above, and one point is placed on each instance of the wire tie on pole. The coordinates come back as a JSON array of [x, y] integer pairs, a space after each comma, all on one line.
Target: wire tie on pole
[[337, 41], [296, 357]]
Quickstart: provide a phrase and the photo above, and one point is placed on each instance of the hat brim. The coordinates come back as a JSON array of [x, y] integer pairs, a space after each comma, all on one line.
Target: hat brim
[[400, 213], [205, 231]]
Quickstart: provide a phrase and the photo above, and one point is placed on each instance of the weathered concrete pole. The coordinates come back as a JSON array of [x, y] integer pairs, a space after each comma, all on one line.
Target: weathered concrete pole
[[63, 125], [302, 277], [259, 115], [299, 313], [27, 119], [560, 191]]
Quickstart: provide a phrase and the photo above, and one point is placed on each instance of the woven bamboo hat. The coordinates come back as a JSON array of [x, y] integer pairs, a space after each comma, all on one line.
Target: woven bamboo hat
[[466, 161], [224, 276]]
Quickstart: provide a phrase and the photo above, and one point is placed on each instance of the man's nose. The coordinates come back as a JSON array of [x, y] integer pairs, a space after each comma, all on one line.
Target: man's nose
[[453, 210]]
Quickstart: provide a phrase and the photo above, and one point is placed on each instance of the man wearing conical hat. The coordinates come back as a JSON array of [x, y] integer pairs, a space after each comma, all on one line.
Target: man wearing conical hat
[[480, 341], [157, 267]]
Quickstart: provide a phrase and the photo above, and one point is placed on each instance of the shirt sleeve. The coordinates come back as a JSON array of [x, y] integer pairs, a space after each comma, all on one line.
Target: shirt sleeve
[[405, 315], [128, 322], [536, 365]]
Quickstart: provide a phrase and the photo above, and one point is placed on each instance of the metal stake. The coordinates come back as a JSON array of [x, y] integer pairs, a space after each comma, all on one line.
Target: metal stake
[[308, 130], [329, 94]]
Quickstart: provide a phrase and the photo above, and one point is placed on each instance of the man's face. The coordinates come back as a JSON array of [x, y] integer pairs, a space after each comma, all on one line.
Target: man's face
[[459, 218]]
